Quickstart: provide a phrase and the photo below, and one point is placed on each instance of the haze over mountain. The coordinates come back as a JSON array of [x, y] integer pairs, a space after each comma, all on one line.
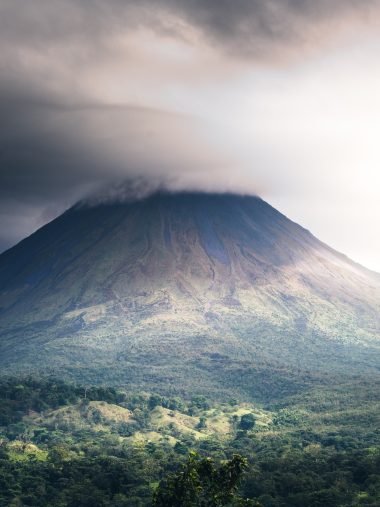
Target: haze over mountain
[[185, 292]]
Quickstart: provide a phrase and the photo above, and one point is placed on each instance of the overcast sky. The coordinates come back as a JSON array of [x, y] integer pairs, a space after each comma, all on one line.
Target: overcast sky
[[274, 97]]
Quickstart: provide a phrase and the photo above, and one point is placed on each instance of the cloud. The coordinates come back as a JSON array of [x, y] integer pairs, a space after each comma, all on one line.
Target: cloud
[[246, 26], [256, 28], [103, 90], [50, 153]]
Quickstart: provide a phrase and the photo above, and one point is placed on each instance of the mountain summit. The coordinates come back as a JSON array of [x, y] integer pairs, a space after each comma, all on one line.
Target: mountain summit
[[182, 291]]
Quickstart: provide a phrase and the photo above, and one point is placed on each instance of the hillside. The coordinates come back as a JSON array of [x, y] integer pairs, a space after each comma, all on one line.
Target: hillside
[[186, 293], [68, 445]]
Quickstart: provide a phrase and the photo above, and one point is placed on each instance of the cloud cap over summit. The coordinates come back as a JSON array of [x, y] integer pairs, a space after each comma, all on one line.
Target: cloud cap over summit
[[265, 96]]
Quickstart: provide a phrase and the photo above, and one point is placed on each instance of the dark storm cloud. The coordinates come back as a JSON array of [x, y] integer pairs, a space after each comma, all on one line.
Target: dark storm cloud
[[245, 25], [58, 135], [266, 28], [53, 152]]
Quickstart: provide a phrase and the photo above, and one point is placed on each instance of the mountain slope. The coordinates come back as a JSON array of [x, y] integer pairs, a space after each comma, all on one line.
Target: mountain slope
[[184, 291]]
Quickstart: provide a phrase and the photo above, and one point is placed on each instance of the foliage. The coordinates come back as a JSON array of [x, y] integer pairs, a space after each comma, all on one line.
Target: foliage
[[247, 422], [200, 483], [63, 445]]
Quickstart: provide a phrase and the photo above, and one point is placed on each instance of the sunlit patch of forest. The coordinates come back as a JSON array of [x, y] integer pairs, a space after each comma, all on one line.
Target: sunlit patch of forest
[[63, 444]]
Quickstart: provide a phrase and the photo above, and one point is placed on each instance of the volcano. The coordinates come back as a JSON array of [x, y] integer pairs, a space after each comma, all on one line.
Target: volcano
[[185, 292]]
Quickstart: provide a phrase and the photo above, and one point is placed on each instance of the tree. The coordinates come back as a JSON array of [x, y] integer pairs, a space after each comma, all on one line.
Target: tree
[[202, 483], [202, 423], [154, 401], [247, 422]]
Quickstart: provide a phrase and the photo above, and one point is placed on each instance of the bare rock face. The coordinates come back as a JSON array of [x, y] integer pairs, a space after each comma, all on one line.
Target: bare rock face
[[184, 291]]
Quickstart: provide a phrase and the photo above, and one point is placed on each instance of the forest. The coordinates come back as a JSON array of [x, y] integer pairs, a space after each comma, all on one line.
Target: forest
[[67, 445]]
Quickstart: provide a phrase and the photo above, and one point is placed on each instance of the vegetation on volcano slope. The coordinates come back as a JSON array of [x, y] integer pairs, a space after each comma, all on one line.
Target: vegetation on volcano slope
[[185, 291], [68, 445]]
